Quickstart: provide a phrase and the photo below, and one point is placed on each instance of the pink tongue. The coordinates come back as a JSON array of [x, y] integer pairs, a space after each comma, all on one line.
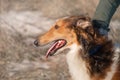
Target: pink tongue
[[55, 46]]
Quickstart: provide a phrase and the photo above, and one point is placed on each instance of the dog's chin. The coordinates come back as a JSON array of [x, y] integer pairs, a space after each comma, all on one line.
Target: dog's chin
[[55, 47]]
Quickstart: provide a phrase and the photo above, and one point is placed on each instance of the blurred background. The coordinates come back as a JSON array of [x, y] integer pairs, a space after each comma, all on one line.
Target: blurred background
[[21, 21]]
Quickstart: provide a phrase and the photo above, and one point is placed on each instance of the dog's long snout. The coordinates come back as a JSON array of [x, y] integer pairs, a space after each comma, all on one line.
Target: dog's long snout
[[36, 43]]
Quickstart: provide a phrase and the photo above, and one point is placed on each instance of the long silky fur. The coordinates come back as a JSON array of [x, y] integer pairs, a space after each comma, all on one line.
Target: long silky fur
[[100, 62]]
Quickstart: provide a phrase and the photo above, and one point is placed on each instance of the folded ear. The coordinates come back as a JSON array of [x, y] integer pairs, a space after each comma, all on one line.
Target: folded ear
[[83, 22]]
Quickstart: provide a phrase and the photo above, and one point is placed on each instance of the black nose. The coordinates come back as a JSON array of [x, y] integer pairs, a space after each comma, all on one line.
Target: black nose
[[36, 43]]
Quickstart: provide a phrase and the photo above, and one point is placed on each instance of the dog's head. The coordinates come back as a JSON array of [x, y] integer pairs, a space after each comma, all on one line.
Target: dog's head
[[67, 31]]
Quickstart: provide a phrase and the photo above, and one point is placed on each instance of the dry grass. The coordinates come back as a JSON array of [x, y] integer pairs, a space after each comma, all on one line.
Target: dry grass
[[21, 21], [53, 8]]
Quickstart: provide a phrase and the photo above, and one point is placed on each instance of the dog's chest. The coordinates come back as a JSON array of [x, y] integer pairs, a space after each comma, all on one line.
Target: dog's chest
[[77, 66]]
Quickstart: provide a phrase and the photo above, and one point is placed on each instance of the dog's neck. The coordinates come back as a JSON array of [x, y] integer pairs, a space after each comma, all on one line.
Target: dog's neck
[[79, 69], [77, 65]]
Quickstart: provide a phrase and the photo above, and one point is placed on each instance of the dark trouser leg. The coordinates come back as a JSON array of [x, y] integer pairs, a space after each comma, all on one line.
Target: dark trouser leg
[[104, 13]]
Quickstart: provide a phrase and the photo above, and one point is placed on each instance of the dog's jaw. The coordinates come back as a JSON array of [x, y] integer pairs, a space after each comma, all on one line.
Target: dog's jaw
[[56, 46], [77, 65]]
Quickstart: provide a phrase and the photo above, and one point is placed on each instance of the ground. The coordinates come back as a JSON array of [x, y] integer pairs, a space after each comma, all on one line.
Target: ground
[[21, 21]]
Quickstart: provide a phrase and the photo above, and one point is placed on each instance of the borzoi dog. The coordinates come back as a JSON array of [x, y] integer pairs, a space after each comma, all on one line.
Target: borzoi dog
[[91, 55]]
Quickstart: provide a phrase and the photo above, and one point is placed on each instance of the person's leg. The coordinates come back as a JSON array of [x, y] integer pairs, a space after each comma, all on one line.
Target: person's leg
[[103, 14]]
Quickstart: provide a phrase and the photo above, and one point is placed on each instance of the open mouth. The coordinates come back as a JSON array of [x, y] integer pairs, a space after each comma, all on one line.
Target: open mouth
[[55, 46]]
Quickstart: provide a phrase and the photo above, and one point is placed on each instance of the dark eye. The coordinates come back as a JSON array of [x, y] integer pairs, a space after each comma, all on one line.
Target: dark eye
[[56, 26]]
